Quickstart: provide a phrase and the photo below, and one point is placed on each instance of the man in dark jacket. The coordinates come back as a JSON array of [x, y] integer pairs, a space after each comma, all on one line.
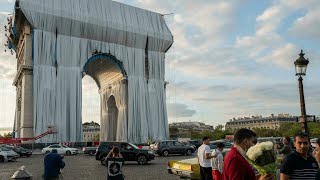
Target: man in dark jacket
[[286, 149], [52, 164]]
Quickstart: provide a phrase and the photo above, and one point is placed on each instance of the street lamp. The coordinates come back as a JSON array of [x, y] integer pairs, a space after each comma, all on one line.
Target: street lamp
[[301, 67]]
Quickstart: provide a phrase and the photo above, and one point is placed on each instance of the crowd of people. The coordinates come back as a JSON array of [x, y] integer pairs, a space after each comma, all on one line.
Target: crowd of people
[[298, 164], [301, 163]]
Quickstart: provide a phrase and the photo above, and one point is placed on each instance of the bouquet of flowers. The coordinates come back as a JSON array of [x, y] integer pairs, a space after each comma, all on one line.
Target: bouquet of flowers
[[262, 157]]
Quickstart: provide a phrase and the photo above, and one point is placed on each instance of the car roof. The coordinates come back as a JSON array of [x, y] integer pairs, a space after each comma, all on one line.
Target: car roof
[[113, 142], [221, 140]]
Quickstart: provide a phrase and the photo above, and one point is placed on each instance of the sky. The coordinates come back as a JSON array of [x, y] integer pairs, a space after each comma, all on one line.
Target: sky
[[229, 59]]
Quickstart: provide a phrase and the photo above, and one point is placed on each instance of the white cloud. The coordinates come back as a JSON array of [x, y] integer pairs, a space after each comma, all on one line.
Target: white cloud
[[225, 69], [307, 26], [283, 56], [178, 110]]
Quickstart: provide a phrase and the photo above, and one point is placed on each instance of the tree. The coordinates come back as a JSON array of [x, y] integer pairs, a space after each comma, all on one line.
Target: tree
[[219, 127], [173, 130], [261, 132], [195, 135], [92, 123], [7, 135], [289, 129]]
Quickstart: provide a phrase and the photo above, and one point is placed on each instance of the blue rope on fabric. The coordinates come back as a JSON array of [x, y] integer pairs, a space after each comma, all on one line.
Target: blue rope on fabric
[[32, 53], [104, 57]]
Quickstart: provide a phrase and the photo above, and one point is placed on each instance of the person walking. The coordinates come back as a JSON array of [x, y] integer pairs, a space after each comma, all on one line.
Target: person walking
[[204, 156], [299, 164], [52, 164], [114, 162], [235, 166], [217, 162], [286, 149]]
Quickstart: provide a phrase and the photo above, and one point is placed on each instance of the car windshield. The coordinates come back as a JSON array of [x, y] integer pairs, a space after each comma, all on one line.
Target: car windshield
[[65, 146], [134, 146], [5, 149]]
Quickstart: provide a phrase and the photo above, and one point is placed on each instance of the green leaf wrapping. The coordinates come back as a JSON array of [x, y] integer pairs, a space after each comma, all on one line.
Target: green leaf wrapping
[[266, 169]]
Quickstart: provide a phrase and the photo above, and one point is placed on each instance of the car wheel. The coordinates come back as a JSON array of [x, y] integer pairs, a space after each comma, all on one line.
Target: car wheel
[[165, 153], [47, 152], [103, 162], [1, 159], [68, 153], [142, 159], [28, 155], [188, 152], [91, 153]]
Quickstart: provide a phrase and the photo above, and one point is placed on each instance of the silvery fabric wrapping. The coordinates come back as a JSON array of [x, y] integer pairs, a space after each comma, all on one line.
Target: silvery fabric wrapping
[[65, 33]]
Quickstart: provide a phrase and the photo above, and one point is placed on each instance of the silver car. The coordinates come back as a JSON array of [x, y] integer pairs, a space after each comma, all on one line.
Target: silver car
[[11, 155]]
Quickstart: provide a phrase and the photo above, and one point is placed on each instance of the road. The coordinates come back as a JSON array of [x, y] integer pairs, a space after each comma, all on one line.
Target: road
[[84, 167]]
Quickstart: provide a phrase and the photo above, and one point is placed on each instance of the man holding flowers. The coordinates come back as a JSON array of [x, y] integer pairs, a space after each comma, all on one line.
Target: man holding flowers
[[235, 166]]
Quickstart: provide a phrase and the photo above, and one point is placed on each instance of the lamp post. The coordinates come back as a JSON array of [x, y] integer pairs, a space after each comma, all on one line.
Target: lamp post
[[301, 67]]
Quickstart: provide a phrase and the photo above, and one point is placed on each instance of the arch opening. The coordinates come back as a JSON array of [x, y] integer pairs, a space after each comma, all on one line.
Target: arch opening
[[112, 118], [108, 74]]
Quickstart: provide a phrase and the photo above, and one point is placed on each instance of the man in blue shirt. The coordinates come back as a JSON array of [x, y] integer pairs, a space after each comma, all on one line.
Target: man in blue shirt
[[52, 164]]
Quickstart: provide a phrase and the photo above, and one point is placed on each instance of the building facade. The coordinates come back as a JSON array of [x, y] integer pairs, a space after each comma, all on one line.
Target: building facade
[[91, 132], [271, 122], [185, 127]]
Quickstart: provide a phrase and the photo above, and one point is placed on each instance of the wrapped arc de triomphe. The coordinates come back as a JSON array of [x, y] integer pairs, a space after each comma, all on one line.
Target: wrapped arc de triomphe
[[121, 47]]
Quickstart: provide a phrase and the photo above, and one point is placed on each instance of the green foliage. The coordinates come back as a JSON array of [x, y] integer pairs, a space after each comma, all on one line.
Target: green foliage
[[261, 132], [173, 130], [219, 127], [7, 135], [195, 134], [92, 123], [314, 128], [289, 129]]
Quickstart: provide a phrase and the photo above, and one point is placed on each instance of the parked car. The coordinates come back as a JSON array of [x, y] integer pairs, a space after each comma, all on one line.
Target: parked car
[[3, 156], [10, 154], [164, 148], [22, 151], [227, 146], [143, 146], [188, 168], [188, 144], [89, 150], [62, 149], [130, 152]]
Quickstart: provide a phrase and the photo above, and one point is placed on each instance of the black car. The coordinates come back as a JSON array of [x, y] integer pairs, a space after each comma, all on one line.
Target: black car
[[166, 147], [22, 151], [130, 152], [196, 143]]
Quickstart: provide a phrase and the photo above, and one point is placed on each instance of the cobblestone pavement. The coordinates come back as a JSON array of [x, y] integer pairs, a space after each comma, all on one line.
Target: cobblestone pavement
[[84, 167]]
